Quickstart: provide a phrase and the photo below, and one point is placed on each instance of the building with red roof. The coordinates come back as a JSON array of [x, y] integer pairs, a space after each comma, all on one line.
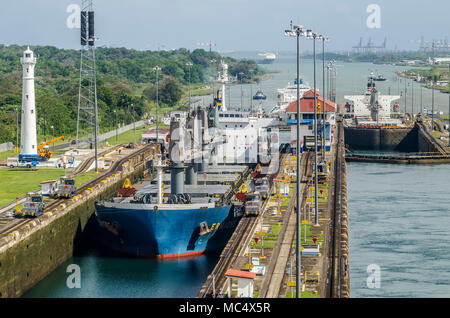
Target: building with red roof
[[307, 119]]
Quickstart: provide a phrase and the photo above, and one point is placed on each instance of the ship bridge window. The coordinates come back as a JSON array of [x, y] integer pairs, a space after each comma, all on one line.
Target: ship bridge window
[[226, 115], [27, 55]]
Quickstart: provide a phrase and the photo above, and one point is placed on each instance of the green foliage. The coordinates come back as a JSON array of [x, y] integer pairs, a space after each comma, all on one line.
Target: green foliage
[[121, 76]]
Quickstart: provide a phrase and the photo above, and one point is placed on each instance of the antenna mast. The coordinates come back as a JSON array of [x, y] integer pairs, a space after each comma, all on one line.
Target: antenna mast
[[87, 119]]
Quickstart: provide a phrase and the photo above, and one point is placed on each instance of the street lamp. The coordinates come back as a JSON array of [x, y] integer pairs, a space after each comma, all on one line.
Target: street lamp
[[314, 36], [240, 79], [189, 64], [432, 102], [297, 31], [134, 119], [53, 136], [156, 69], [213, 61], [324, 110], [115, 117]]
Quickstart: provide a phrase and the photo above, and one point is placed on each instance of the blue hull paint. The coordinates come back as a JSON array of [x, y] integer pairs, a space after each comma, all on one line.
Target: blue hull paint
[[165, 233]]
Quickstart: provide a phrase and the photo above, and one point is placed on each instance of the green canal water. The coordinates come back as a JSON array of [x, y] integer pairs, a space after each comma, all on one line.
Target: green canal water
[[399, 219], [103, 275], [399, 215]]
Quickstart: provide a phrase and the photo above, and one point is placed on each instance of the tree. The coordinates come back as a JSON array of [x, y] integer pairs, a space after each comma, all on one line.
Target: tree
[[170, 92]]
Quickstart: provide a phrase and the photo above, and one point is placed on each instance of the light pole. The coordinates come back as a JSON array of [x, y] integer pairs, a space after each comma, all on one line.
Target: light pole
[[240, 73], [134, 119], [213, 61], [432, 102], [116, 124], [297, 31], [324, 110], [156, 69], [189, 64], [314, 36], [53, 136], [17, 129], [412, 100]]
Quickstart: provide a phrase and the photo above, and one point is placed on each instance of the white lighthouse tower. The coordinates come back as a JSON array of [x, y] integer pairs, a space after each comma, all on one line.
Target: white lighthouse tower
[[28, 141]]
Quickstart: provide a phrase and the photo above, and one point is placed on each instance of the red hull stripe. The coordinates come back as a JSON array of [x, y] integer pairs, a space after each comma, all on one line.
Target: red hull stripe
[[164, 256]]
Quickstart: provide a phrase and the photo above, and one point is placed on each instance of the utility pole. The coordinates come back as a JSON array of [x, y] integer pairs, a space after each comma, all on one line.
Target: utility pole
[[297, 31], [432, 102], [412, 100], [316, 208], [189, 64], [156, 69]]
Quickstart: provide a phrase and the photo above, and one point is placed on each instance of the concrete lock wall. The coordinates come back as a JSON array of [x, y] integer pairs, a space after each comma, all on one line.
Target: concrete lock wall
[[39, 247], [388, 139]]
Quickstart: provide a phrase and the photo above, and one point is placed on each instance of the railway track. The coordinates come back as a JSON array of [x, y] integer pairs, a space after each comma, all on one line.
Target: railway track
[[335, 271], [230, 255], [15, 223], [287, 220]]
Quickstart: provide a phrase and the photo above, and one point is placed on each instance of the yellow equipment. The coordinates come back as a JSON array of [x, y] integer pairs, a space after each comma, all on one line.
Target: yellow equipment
[[127, 184], [243, 188], [43, 151]]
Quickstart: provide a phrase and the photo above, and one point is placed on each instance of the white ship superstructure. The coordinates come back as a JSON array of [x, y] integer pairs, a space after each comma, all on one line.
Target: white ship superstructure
[[245, 133], [286, 96], [373, 108]]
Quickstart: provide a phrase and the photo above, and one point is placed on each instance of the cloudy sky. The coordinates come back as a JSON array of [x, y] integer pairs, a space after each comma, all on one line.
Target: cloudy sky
[[233, 25]]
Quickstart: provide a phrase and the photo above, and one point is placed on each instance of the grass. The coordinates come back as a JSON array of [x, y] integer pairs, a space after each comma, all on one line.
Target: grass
[[15, 183], [127, 137], [435, 134], [303, 295]]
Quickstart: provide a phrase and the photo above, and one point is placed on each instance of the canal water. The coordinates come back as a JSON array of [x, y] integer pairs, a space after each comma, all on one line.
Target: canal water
[[398, 215], [399, 218]]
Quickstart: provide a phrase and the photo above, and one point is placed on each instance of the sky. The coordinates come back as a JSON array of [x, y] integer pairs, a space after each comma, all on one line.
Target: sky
[[232, 25]]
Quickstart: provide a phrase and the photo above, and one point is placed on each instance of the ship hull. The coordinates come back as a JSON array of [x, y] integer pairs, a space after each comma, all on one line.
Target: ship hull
[[164, 233]]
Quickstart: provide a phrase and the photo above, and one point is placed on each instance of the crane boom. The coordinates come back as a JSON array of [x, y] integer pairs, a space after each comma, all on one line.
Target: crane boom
[[45, 152]]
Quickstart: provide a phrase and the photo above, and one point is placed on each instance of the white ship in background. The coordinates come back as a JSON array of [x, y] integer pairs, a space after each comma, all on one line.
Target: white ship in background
[[246, 133], [373, 108], [266, 58], [286, 96]]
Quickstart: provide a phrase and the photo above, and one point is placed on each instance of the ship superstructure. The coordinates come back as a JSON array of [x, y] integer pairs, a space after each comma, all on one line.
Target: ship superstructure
[[373, 108]]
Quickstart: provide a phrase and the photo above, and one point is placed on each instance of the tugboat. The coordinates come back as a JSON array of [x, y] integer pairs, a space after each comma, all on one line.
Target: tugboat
[[379, 78], [259, 95]]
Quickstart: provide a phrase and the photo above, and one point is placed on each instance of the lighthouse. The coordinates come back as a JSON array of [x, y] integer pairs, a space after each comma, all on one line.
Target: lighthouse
[[28, 141]]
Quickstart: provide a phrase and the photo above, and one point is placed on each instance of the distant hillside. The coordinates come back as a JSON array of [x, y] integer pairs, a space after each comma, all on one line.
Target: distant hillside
[[123, 75]]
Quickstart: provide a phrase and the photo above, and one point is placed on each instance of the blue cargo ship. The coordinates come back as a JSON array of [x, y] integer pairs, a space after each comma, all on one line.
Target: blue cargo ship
[[164, 230]]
